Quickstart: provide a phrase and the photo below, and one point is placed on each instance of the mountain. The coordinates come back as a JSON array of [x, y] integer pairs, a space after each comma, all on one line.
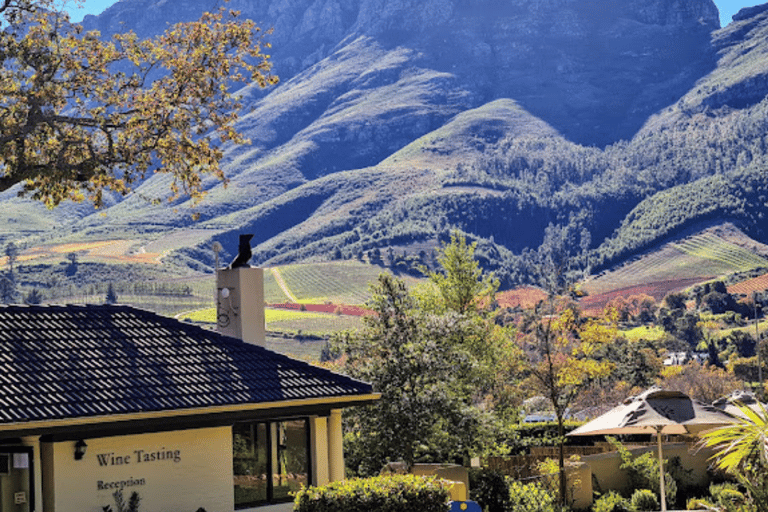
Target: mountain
[[397, 120]]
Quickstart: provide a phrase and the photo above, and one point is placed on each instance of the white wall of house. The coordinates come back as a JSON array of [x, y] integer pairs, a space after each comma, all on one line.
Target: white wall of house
[[178, 471]]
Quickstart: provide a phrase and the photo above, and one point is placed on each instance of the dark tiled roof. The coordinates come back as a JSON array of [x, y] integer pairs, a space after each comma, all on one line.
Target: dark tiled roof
[[60, 362]]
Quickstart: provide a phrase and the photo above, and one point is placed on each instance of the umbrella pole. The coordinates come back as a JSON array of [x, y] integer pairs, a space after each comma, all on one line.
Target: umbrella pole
[[661, 473]]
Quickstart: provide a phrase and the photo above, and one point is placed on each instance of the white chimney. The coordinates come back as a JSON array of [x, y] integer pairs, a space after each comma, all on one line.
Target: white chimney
[[240, 304]]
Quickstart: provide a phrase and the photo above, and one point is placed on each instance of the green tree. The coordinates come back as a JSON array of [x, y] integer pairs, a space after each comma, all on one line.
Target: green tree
[[675, 300], [7, 289], [426, 378], [637, 363], [111, 297], [461, 283], [72, 126], [459, 286], [12, 254]]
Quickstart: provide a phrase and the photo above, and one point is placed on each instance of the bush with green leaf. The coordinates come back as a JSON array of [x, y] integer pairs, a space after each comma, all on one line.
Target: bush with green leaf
[[643, 471], [531, 497], [643, 500], [402, 493], [698, 504], [611, 502], [489, 489], [727, 496]]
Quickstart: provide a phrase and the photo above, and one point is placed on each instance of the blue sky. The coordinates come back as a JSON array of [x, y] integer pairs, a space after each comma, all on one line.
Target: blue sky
[[727, 8], [730, 7]]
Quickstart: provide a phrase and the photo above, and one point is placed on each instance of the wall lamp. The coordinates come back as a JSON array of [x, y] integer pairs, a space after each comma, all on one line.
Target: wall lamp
[[80, 448]]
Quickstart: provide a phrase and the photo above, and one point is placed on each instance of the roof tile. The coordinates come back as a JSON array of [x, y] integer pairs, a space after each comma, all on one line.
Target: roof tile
[[61, 362]]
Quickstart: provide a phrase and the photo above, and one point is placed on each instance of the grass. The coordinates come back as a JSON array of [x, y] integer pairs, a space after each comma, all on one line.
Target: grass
[[748, 329], [205, 316], [703, 256], [338, 282], [162, 305], [719, 252], [306, 349], [320, 325], [208, 315], [644, 333], [289, 322]]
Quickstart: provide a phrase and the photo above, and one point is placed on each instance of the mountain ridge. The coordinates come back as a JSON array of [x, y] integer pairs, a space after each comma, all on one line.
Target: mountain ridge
[[396, 121]]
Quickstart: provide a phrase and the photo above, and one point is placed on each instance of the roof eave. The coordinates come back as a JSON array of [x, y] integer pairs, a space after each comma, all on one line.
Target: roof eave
[[164, 420]]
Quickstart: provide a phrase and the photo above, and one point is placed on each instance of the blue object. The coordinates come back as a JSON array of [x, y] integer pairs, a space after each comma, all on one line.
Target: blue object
[[464, 506]]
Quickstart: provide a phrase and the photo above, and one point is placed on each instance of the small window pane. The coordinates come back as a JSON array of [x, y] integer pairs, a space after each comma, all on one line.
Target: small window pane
[[250, 463], [292, 469]]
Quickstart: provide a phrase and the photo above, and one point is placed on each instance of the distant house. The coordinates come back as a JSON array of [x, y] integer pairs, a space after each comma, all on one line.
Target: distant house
[[681, 358], [98, 400], [539, 417]]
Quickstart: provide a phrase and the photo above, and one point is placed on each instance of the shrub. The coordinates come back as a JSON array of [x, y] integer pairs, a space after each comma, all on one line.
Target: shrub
[[643, 471], [611, 502], [727, 495], [407, 493], [731, 497], [489, 489], [531, 497], [644, 500], [698, 504]]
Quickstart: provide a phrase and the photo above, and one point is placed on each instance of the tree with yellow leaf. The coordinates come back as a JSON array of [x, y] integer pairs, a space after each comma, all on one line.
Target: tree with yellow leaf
[[561, 349], [80, 115]]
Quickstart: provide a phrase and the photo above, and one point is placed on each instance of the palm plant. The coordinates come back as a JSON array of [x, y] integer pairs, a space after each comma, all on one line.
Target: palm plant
[[742, 450]]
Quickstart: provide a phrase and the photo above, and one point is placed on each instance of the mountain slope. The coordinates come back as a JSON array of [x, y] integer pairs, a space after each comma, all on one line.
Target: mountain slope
[[397, 120]]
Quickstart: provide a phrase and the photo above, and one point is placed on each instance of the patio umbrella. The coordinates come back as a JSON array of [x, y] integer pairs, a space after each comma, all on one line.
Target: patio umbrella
[[657, 411], [730, 403]]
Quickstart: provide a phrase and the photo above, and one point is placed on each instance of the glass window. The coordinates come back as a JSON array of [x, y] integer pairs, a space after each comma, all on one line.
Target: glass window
[[292, 468], [16, 479], [260, 449], [250, 464]]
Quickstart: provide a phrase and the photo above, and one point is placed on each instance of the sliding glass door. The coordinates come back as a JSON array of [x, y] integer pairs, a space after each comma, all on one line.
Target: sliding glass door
[[270, 461]]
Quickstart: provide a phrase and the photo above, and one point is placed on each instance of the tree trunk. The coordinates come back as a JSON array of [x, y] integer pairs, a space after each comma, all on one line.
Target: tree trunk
[[561, 460]]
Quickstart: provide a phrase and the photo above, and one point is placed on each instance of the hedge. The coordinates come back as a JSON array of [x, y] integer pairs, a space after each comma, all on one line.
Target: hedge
[[391, 493]]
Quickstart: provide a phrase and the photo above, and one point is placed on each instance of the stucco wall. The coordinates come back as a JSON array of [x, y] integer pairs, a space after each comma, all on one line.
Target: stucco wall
[[171, 471], [609, 476]]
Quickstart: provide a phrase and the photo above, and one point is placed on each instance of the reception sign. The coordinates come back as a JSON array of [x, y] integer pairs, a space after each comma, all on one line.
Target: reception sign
[[178, 471]]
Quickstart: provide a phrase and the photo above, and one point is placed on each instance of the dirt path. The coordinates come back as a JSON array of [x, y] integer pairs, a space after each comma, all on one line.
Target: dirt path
[[282, 285]]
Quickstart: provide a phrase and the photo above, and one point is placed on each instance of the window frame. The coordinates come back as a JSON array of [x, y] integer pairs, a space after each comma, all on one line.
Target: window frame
[[272, 449]]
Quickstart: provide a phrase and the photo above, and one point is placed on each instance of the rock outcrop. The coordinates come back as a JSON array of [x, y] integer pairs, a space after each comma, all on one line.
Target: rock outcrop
[[594, 69]]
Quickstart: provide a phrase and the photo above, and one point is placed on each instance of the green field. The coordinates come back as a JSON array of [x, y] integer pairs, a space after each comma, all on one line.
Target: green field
[[644, 333], [338, 282], [720, 252], [307, 349], [162, 305], [703, 256], [289, 322], [208, 315]]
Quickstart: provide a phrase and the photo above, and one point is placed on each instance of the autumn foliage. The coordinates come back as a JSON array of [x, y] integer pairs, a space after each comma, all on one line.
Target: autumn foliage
[[81, 115]]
